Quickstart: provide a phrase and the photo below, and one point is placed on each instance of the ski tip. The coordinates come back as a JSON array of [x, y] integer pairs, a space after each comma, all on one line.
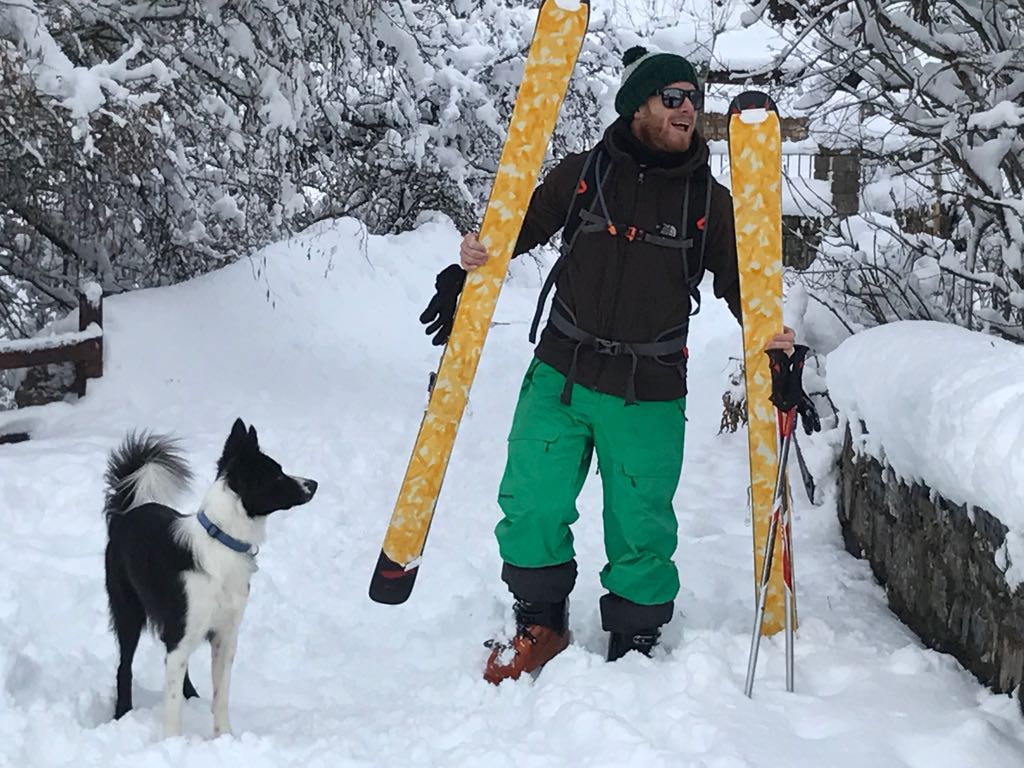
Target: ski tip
[[391, 583], [572, 5], [752, 100]]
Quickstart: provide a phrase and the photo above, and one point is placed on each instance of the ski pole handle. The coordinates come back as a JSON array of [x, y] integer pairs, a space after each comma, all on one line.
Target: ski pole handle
[[778, 363], [787, 376]]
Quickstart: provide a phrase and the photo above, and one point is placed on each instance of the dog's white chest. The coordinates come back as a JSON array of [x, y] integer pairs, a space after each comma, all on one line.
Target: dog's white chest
[[232, 593], [217, 598]]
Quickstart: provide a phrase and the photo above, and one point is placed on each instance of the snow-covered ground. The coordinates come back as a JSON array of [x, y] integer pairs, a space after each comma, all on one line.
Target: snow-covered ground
[[332, 370]]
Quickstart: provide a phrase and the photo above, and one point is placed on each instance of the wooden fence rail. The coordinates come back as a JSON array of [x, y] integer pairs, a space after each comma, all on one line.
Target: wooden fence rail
[[84, 348]]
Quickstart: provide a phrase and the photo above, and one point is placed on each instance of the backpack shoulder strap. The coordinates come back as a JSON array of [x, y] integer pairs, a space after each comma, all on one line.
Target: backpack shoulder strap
[[582, 196], [702, 227], [586, 188]]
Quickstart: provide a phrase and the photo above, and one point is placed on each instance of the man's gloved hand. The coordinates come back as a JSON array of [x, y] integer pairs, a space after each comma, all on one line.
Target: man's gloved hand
[[439, 315]]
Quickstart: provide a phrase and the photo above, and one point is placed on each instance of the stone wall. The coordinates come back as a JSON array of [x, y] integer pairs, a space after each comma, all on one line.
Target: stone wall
[[939, 564]]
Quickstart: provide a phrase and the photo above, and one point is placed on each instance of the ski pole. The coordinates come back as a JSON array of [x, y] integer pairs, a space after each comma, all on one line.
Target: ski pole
[[787, 392], [786, 522], [779, 501], [805, 473]]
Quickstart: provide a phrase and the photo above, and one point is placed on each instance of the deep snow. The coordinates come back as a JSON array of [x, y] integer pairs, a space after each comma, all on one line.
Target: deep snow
[[319, 346]]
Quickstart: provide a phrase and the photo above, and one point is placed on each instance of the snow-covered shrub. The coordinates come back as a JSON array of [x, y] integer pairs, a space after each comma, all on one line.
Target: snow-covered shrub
[[932, 93]]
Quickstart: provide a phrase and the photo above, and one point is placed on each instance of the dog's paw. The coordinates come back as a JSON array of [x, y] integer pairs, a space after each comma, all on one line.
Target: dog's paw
[[222, 730]]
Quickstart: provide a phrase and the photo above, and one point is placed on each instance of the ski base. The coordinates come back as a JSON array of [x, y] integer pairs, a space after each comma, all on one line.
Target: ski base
[[558, 36], [755, 162]]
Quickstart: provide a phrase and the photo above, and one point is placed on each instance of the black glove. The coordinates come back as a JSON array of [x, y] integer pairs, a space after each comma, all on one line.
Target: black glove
[[808, 415], [440, 312], [787, 386]]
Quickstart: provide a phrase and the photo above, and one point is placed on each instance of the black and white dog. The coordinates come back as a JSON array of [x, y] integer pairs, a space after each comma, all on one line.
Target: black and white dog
[[187, 575]]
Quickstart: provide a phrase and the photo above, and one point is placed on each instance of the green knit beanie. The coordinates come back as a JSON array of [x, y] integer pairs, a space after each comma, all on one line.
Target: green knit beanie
[[645, 73]]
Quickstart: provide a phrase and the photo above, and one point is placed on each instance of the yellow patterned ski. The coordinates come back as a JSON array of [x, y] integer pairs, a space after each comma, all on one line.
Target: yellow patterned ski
[[557, 39], [755, 162]]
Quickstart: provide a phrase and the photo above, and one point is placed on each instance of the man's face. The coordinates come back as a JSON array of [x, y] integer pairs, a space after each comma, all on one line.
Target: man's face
[[670, 130]]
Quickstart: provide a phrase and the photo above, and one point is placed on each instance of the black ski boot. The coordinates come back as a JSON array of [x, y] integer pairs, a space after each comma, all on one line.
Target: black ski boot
[[621, 643]]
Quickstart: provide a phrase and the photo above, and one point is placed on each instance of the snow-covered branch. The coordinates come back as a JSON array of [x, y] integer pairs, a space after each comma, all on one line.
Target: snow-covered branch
[[81, 90], [937, 86]]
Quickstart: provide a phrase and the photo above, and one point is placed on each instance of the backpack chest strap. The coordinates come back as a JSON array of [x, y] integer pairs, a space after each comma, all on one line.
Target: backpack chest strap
[[666, 237]]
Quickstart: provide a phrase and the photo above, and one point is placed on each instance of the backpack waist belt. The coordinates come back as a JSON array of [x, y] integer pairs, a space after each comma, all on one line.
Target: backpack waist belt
[[563, 323]]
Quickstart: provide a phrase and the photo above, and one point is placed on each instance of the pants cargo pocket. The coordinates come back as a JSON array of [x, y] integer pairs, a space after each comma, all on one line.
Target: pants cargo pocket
[[641, 530], [549, 453]]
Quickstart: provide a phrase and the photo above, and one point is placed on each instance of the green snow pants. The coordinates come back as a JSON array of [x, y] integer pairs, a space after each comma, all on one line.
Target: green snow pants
[[640, 454]]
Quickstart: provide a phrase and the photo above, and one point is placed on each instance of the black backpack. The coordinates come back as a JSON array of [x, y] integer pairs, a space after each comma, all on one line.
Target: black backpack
[[581, 217]]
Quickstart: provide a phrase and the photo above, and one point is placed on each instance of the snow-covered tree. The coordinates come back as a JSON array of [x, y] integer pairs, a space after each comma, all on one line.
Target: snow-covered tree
[[141, 144], [932, 90], [144, 143]]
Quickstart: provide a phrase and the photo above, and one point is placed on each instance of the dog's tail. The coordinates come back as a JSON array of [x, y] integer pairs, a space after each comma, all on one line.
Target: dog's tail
[[144, 468]]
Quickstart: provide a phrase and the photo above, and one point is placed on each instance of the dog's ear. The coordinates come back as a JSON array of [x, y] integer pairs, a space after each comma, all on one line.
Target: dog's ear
[[236, 440], [237, 436], [254, 439]]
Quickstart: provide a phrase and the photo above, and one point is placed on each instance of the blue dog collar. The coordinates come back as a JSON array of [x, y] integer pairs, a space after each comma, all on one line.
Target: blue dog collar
[[227, 540]]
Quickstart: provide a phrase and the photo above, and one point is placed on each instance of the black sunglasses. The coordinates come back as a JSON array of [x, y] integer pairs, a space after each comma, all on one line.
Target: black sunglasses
[[674, 97]]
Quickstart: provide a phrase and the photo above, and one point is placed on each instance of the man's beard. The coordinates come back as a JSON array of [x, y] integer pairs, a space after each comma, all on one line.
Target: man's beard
[[653, 136]]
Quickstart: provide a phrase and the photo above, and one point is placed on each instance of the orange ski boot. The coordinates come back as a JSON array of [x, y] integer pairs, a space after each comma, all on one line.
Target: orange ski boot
[[542, 632]]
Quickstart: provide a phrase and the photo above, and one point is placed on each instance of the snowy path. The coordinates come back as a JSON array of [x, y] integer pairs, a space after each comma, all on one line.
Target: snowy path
[[333, 375]]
